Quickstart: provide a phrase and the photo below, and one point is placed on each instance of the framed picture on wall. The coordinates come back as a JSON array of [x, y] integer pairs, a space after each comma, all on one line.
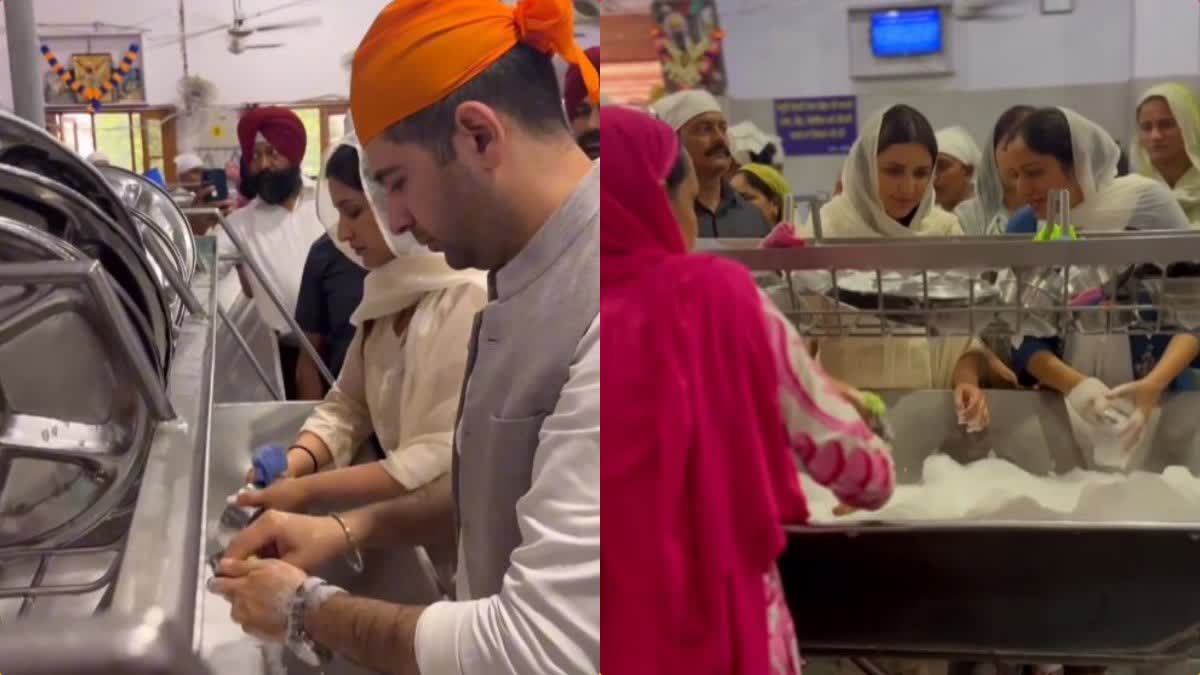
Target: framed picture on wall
[[688, 39], [93, 71], [104, 69]]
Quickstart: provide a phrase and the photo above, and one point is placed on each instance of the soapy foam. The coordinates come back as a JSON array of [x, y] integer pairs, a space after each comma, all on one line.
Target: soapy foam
[[997, 490]]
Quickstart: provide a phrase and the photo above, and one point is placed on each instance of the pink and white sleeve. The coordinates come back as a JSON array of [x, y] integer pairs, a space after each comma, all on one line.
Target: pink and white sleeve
[[830, 440]]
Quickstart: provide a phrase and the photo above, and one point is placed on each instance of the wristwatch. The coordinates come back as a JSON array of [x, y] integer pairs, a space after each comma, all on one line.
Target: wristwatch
[[309, 595]]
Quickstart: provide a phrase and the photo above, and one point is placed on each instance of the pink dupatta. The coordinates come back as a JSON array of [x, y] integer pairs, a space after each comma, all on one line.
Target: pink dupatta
[[696, 469]]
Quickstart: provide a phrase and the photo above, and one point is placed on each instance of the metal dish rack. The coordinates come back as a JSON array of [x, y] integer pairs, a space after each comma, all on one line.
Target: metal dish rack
[[1172, 303]]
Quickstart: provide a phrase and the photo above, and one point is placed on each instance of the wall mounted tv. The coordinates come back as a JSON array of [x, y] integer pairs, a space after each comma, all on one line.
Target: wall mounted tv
[[899, 33]]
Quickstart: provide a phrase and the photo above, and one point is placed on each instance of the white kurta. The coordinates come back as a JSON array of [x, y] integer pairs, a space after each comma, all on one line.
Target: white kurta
[[403, 388], [279, 241]]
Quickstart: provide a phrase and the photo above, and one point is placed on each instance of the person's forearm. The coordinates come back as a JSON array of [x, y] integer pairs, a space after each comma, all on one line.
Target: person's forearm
[[314, 443], [1180, 352], [309, 385], [376, 635], [420, 518], [1053, 373], [364, 484], [970, 368]]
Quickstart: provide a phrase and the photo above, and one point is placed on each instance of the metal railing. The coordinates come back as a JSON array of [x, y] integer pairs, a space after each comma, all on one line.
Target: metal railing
[[239, 242], [1129, 282]]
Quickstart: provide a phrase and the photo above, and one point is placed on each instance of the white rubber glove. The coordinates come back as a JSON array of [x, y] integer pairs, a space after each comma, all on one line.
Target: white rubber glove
[[971, 407], [1089, 399], [1126, 398]]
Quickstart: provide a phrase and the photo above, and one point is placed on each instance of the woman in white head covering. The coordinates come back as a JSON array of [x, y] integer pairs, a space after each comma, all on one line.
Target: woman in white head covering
[[1168, 150], [403, 372], [1059, 149], [996, 197], [887, 182], [887, 191], [958, 158]]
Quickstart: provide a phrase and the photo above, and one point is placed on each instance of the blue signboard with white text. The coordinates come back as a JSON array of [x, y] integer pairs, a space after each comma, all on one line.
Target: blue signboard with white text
[[826, 125]]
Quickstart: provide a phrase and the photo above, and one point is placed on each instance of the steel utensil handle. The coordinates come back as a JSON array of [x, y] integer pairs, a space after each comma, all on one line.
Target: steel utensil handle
[[236, 237]]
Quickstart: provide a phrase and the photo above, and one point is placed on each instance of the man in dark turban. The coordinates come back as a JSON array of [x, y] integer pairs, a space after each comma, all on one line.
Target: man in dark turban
[[581, 109], [273, 142], [279, 225]]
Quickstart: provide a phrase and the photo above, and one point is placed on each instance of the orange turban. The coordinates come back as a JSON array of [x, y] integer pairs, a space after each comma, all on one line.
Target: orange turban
[[419, 51]]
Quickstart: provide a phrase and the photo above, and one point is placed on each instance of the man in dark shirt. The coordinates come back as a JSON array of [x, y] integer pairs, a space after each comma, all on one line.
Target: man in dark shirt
[[697, 118], [330, 290]]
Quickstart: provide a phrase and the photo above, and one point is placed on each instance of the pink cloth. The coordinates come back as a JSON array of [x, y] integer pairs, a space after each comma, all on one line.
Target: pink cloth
[[783, 235], [782, 646], [713, 401], [696, 474]]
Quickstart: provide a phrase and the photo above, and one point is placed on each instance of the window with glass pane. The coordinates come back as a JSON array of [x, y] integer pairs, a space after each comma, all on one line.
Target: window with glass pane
[[139, 157], [337, 127], [77, 132], [114, 137], [154, 140], [311, 117]]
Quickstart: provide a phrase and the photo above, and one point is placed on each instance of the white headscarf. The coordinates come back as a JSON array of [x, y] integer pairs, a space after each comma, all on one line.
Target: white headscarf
[[957, 142], [403, 281], [1109, 203], [859, 212], [746, 139], [684, 106], [985, 213], [1186, 111]]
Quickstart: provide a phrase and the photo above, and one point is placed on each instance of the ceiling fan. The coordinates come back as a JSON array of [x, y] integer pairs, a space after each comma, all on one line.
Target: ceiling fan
[[242, 27]]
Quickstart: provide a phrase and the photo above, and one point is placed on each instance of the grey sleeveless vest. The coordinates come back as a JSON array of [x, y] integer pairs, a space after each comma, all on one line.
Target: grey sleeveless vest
[[520, 356]]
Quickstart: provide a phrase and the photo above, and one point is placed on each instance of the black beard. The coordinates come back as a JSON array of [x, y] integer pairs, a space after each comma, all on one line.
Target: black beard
[[276, 187], [590, 142]]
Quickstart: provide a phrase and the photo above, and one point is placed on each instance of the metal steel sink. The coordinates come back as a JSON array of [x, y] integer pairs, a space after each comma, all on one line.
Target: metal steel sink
[[238, 428], [1051, 592]]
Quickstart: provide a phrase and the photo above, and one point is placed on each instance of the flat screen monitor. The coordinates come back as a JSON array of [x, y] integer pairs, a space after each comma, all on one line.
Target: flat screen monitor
[[898, 33]]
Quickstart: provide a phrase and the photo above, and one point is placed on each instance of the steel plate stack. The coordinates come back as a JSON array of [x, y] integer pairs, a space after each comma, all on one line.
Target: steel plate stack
[[93, 267]]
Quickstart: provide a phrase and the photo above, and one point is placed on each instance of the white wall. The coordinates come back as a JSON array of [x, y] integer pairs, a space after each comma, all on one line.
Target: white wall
[[1165, 43], [1095, 60], [309, 66], [781, 48]]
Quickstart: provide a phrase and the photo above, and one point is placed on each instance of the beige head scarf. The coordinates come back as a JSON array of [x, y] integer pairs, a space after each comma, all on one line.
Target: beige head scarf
[[1186, 111], [414, 272]]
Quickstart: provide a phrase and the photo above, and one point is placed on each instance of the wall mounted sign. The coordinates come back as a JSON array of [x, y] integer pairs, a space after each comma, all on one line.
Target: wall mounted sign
[[826, 125]]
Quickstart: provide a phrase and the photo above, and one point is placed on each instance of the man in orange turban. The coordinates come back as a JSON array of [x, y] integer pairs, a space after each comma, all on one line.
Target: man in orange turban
[[467, 145]]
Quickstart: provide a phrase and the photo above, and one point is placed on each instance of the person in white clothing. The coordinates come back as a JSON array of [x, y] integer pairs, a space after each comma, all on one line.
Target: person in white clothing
[[1168, 149], [403, 372], [888, 192], [958, 159], [996, 198], [478, 161], [279, 226], [1059, 149]]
